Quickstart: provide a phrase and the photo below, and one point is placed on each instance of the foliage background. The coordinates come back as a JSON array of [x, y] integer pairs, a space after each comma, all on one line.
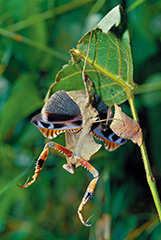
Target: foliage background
[[28, 65]]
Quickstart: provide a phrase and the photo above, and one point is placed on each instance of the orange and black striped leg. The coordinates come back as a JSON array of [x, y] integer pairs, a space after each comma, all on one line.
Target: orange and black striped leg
[[42, 158], [90, 189]]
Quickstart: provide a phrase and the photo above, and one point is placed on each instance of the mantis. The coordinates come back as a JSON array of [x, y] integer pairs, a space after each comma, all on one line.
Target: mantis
[[80, 115]]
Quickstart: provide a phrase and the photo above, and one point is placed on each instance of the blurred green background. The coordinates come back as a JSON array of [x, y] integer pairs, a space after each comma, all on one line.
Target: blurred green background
[[123, 207]]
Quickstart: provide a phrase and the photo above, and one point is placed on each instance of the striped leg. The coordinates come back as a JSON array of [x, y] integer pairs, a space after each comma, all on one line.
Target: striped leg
[[42, 158], [90, 189]]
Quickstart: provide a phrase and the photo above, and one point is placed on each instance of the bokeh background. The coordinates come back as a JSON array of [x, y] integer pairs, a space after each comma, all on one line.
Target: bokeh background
[[123, 207]]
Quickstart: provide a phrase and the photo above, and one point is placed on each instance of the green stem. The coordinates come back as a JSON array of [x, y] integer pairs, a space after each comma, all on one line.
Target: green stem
[[148, 87], [96, 7], [134, 5], [46, 15], [15, 180], [149, 174], [32, 43]]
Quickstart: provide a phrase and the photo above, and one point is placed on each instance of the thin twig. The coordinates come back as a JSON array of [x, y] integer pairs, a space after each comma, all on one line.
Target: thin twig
[[149, 175], [84, 75]]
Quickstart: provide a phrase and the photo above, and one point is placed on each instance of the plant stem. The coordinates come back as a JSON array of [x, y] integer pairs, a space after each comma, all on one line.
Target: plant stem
[[134, 5], [148, 87], [13, 181], [32, 43], [47, 15], [149, 174]]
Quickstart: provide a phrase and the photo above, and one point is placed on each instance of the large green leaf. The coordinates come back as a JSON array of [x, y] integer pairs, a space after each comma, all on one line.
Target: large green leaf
[[109, 62]]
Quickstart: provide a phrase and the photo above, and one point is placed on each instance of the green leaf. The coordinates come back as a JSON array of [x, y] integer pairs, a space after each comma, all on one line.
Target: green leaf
[[23, 100], [109, 62]]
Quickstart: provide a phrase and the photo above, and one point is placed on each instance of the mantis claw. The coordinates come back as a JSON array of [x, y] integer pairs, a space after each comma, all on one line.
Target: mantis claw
[[82, 219], [27, 183], [89, 192]]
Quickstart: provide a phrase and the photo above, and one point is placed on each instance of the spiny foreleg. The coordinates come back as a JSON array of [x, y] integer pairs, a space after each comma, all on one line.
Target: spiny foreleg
[[42, 159], [90, 189]]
